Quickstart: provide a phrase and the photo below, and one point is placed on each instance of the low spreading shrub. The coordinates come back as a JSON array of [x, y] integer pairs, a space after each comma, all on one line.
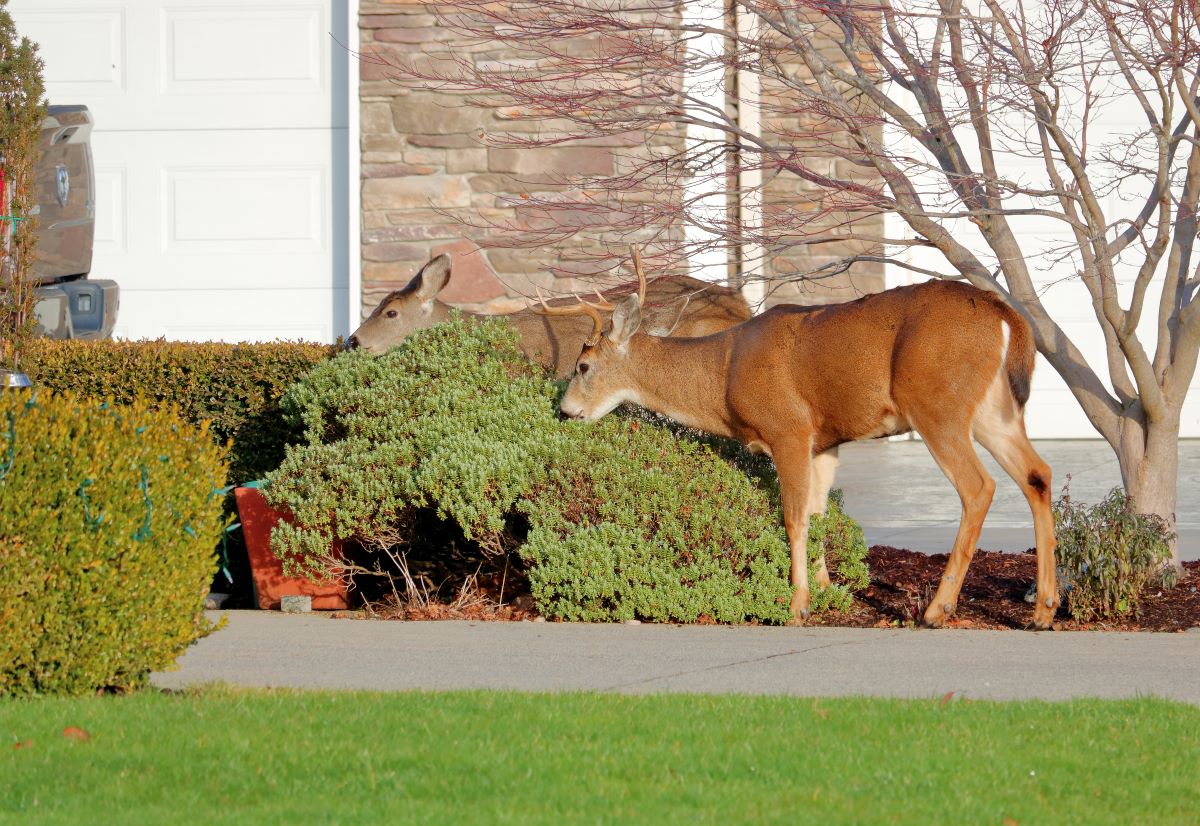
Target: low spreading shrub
[[1108, 553], [108, 520], [614, 520]]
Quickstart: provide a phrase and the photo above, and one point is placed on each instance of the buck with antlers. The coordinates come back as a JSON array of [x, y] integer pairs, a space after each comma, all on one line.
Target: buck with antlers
[[679, 306], [945, 359]]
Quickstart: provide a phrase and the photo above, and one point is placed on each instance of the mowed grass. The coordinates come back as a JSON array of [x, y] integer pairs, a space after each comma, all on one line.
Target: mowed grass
[[233, 756]]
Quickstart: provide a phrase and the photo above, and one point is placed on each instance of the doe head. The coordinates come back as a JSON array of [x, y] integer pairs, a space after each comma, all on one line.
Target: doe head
[[405, 311]]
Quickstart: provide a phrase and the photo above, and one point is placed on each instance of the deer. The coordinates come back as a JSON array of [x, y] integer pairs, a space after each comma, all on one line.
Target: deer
[[674, 306], [947, 360]]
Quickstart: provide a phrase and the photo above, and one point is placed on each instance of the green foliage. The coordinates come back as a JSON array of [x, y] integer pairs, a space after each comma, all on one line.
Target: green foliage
[[1108, 553], [108, 520], [22, 108], [235, 387], [625, 520]]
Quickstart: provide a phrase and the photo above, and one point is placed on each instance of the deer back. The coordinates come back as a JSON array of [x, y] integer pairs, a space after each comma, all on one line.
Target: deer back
[[679, 306], [844, 372]]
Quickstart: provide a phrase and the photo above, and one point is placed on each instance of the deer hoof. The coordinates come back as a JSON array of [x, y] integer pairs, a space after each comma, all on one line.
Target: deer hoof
[[799, 607], [936, 615], [1043, 614]]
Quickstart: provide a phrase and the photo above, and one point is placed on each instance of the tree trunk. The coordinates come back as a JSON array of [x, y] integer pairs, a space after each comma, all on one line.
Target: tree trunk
[[1149, 458]]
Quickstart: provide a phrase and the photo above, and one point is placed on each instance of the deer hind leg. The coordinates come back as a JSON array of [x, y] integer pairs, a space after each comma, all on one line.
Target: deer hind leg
[[1000, 428], [824, 466], [793, 463], [952, 450]]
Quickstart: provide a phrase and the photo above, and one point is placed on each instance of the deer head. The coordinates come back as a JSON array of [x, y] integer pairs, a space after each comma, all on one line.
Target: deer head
[[602, 379], [405, 311]]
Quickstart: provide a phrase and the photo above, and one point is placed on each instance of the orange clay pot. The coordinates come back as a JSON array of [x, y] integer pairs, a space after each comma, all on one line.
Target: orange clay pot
[[266, 569]]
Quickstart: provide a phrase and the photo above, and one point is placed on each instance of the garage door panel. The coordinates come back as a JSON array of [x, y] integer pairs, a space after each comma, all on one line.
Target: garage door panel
[[287, 203], [83, 50], [219, 210], [264, 49]]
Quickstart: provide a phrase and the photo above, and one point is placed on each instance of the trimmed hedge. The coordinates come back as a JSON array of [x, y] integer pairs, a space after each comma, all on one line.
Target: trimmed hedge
[[235, 387], [108, 520], [624, 519]]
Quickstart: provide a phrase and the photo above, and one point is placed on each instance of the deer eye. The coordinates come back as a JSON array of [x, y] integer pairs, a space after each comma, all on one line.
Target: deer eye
[[391, 313], [583, 368]]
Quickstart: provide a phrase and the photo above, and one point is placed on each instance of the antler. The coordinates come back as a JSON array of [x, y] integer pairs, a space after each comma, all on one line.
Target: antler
[[637, 268], [594, 309], [582, 308]]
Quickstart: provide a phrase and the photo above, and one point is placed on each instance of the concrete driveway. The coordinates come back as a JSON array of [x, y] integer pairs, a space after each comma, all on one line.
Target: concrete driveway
[[261, 648]]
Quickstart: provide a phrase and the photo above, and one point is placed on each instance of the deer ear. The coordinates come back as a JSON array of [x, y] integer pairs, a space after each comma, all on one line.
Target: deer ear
[[662, 320], [432, 278], [626, 319]]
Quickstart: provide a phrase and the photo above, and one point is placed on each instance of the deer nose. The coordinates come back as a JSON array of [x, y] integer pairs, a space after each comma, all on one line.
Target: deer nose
[[562, 415], [352, 343]]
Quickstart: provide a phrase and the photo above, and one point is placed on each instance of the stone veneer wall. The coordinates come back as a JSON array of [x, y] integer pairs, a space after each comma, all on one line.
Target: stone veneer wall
[[424, 164]]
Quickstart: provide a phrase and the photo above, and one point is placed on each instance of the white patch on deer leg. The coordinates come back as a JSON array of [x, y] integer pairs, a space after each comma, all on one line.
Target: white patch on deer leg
[[824, 467]]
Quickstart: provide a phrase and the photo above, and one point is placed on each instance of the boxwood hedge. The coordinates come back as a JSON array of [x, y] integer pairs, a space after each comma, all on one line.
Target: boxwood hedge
[[108, 520]]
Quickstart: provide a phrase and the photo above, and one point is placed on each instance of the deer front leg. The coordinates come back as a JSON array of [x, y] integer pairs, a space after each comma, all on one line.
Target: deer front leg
[[793, 463], [824, 465]]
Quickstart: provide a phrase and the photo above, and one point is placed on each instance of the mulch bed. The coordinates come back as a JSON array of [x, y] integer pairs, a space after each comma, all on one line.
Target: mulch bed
[[993, 595], [902, 583]]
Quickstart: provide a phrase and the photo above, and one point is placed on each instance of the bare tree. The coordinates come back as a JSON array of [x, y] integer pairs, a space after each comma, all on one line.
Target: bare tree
[[958, 126]]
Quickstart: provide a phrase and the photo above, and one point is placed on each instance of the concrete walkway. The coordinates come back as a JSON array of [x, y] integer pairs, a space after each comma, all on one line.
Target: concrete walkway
[[901, 498], [260, 648]]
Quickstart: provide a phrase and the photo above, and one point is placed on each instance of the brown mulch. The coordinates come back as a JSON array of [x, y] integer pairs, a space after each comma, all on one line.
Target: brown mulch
[[902, 583]]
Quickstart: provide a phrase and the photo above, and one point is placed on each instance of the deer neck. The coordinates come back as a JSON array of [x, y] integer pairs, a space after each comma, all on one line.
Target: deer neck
[[683, 379]]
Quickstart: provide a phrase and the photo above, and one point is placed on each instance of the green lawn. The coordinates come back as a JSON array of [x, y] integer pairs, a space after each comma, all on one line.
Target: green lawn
[[222, 755]]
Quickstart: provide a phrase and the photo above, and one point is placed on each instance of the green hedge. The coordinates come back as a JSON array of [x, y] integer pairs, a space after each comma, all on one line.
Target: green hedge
[[235, 387], [108, 520], [624, 519]]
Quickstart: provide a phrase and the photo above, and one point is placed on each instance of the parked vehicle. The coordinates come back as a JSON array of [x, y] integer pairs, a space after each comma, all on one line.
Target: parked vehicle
[[70, 304]]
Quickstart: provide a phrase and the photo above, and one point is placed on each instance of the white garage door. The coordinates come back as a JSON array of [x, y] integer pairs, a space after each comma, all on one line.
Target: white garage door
[[221, 158]]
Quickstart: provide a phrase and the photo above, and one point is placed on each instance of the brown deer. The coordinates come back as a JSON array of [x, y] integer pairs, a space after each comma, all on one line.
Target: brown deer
[[945, 359], [679, 306]]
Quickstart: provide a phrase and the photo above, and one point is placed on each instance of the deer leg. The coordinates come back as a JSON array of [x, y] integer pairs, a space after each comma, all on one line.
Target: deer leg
[[793, 463], [1001, 430], [955, 455], [824, 465]]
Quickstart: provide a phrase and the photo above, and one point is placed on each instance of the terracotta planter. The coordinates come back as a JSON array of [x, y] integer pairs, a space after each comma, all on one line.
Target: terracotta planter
[[266, 569]]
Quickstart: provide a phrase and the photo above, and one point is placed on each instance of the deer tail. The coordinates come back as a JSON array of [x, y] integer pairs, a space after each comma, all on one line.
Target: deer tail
[[1019, 358]]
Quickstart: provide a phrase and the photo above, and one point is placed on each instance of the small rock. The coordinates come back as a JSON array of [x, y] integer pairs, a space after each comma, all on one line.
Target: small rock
[[539, 619], [633, 622], [295, 604], [214, 600]]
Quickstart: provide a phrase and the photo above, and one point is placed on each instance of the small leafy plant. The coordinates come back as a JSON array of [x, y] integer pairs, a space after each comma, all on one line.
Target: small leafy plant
[[1108, 553]]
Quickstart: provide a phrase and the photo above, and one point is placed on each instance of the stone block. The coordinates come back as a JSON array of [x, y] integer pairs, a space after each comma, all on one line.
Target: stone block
[[472, 141], [426, 114], [459, 161], [565, 160], [396, 170], [375, 118], [415, 192], [395, 251], [472, 279]]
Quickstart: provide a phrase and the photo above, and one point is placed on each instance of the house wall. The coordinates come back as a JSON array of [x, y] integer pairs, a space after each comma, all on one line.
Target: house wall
[[431, 183]]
